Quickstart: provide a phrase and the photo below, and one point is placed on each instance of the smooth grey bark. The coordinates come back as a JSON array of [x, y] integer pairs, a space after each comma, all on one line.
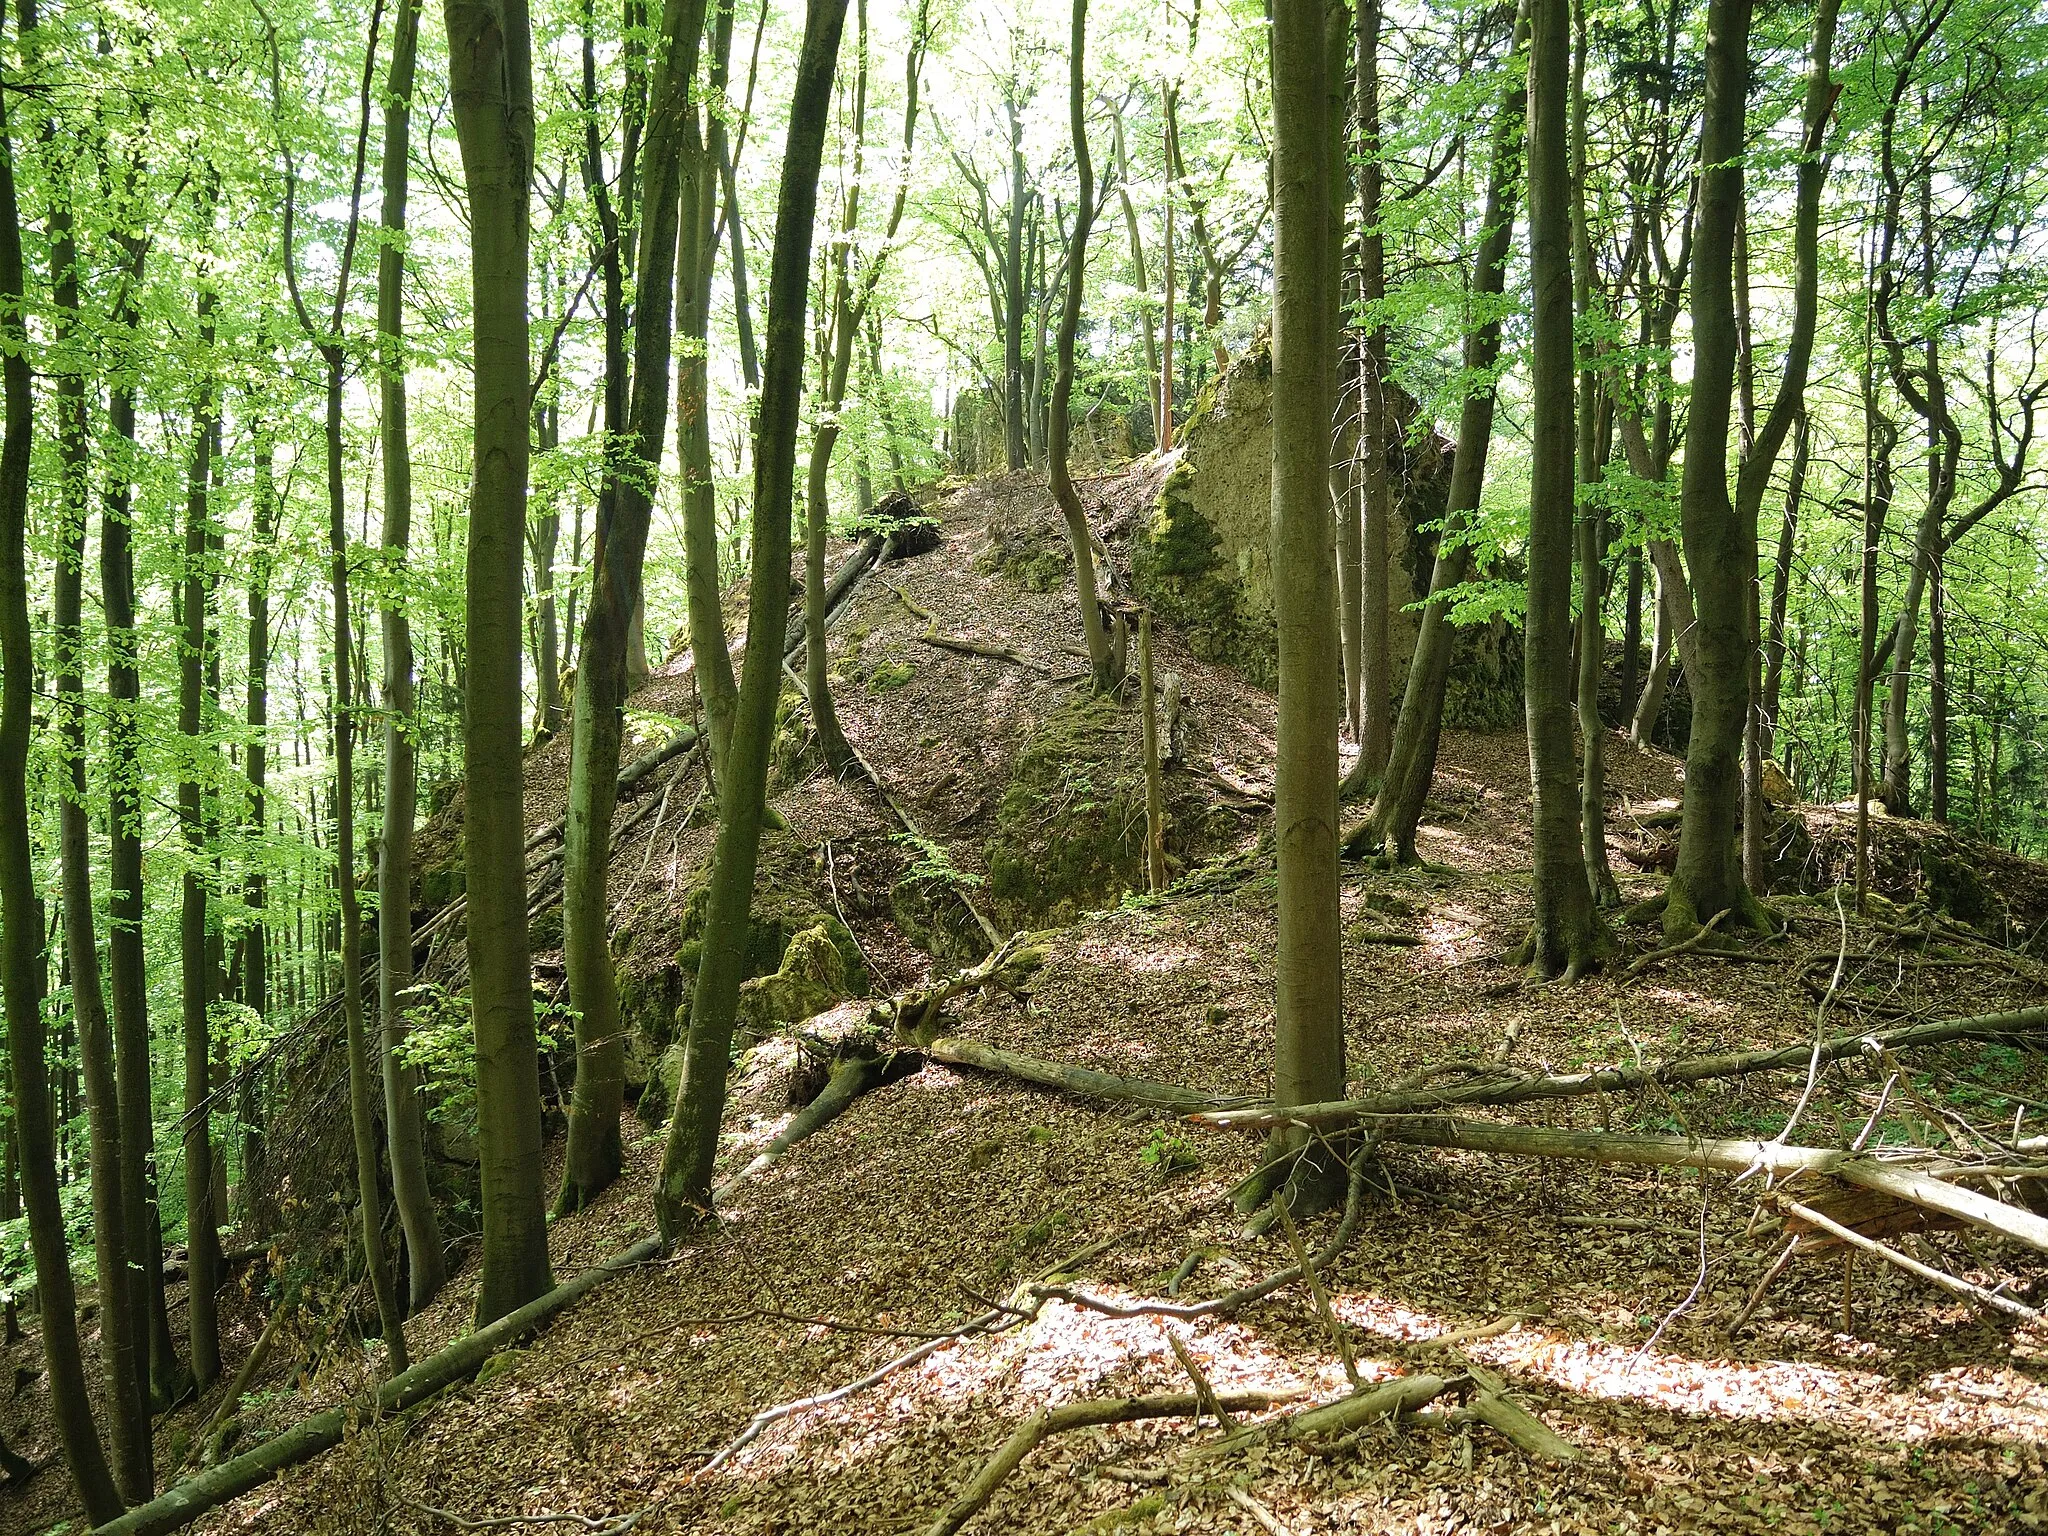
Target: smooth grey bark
[[329, 344], [1721, 561], [1768, 439], [1140, 280], [202, 1220], [1308, 74], [124, 1342], [404, 1128], [1411, 762], [1375, 648], [127, 972], [491, 81], [1567, 937], [1593, 428], [683, 1192]]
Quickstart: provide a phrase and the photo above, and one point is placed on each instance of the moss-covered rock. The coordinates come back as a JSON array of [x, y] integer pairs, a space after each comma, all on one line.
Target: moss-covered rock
[[933, 918], [1070, 830], [810, 979], [783, 907], [442, 880]]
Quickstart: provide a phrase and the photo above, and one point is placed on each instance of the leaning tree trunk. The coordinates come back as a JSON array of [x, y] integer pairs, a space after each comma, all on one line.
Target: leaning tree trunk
[[21, 938], [1309, 1025], [1080, 538], [1709, 879], [683, 1193], [124, 1341], [1411, 762], [202, 1221], [491, 81], [710, 655], [673, 157], [1567, 936], [405, 1132]]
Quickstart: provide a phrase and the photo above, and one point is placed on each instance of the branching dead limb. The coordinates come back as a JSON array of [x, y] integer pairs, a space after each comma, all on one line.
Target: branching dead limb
[[1515, 1089], [1921, 1185], [1953, 1284]]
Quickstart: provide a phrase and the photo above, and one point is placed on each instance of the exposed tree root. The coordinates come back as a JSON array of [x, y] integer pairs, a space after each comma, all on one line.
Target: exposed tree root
[[1700, 935], [1231, 1302]]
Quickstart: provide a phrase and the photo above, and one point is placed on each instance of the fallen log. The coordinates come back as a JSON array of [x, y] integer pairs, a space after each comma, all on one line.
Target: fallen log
[[1688, 1069], [851, 1078], [179, 1506], [958, 1052], [1920, 1185], [1082, 1415]]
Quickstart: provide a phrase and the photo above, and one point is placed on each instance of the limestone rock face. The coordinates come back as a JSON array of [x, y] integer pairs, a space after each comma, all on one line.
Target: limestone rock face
[[1204, 560]]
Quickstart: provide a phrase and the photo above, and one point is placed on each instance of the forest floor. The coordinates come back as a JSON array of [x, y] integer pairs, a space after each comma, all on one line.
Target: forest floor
[[1602, 1295]]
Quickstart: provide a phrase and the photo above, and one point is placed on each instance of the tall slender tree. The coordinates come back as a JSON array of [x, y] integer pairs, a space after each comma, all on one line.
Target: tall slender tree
[[1080, 538], [683, 1192], [491, 80], [21, 926], [202, 1220], [405, 1138], [1567, 936], [1722, 561], [594, 1154], [124, 1342], [1308, 64]]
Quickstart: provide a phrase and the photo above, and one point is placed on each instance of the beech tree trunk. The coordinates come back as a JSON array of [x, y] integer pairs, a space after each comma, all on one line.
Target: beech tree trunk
[[1590, 532], [1308, 62], [1411, 762], [124, 1342], [1080, 539], [21, 928], [673, 159], [405, 1132], [683, 1193], [1722, 562], [1375, 650], [1568, 936], [126, 967], [491, 81], [202, 1221]]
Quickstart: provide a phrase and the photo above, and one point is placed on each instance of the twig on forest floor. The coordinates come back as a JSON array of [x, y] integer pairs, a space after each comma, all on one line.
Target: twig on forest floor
[[607, 1525], [1257, 1511], [1203, 1390], [1684, 946]]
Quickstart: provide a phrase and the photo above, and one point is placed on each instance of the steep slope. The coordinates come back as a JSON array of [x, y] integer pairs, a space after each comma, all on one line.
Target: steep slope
[[1601, 1295]]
